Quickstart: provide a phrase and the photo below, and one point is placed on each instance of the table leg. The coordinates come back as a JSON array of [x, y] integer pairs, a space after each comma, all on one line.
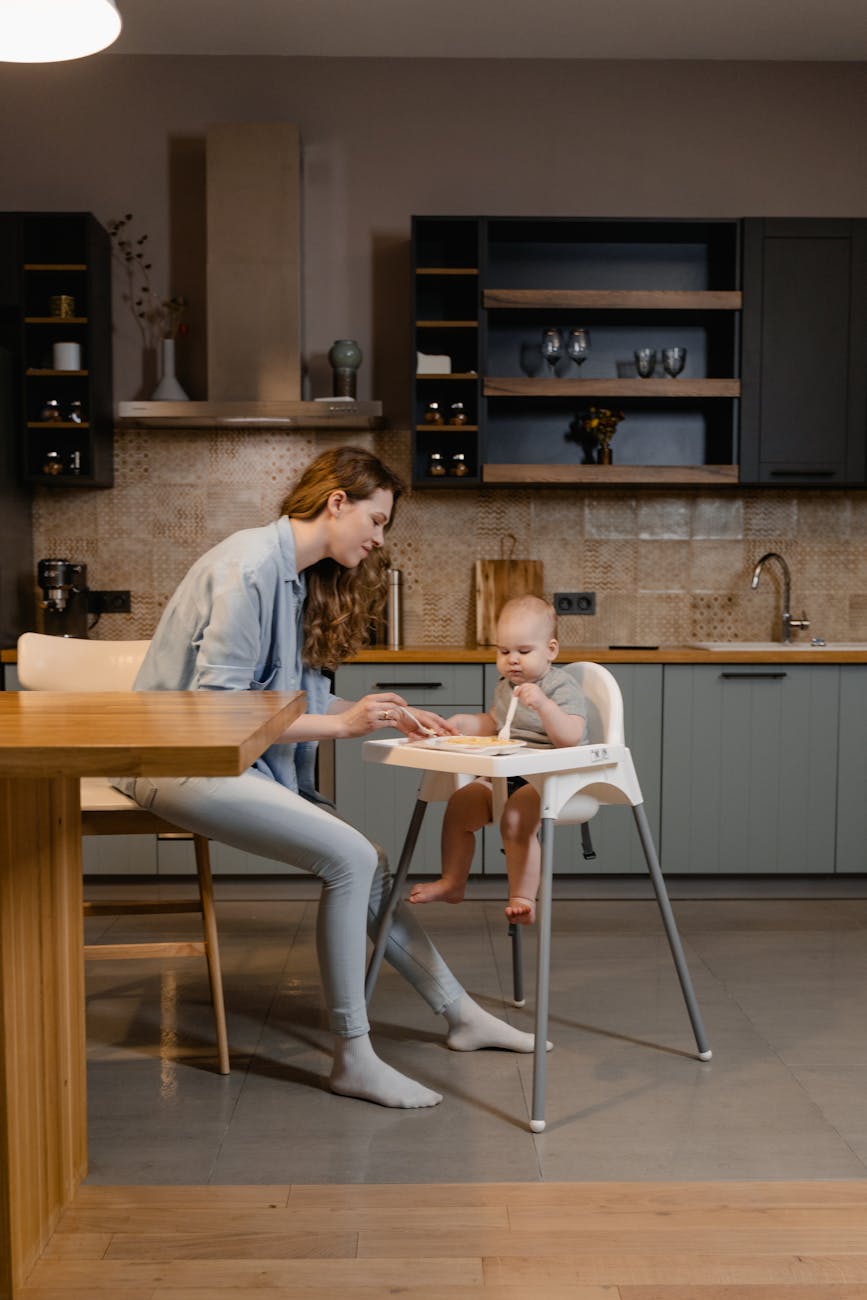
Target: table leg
[[43, 1106], [543, 968]]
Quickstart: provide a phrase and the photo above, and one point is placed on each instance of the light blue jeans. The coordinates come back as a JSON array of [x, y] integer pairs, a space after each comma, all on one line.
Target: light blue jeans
[[254, 813]]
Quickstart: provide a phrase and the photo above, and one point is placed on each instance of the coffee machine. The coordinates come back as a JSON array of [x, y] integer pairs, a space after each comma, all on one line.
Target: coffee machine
[[63, 608]]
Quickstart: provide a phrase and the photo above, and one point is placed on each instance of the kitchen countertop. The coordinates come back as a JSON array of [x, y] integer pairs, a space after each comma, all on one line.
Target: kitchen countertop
[[677, 654], [664, 654]]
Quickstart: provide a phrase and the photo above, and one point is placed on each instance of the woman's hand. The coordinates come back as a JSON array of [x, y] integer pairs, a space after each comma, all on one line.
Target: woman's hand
[[386, 709]]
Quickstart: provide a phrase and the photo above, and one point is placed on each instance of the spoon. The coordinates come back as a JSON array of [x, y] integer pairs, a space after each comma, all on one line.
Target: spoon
[[419, 726], [503, 733]]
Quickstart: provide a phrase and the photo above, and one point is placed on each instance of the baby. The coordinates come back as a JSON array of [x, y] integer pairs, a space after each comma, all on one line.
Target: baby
[[551, 712]]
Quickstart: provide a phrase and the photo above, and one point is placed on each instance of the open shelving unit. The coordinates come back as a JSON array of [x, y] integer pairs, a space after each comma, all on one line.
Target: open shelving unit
[[487, 287], [65, 253]]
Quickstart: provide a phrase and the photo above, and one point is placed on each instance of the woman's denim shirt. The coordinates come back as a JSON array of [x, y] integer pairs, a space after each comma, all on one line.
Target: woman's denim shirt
[[235, 624]]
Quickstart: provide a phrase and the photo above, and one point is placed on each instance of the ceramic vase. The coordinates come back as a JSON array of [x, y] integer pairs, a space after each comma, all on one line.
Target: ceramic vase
[[168, 389], [345, 358]]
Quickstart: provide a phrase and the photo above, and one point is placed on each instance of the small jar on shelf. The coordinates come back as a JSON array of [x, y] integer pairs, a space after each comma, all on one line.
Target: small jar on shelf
[[53, 464], [436, 466], [458, 467], [433, 414], [457, 413]]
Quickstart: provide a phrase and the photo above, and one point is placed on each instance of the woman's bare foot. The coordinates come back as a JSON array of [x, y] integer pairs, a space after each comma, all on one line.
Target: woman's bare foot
[[521, 911], [436, 891]]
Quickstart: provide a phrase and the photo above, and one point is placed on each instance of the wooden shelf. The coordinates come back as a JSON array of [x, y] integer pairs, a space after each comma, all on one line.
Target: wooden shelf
[[564, 475], [447, 270], [454, 375], [34, 373], [616, 299], [57, 424], [55, 266], [547, 387], [447, 428], [55, 320], [447, 324]]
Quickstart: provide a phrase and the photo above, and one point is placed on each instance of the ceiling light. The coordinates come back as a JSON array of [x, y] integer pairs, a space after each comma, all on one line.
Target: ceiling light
[[48, 31]]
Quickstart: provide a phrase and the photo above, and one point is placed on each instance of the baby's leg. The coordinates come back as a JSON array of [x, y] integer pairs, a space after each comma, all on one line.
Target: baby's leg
[[519, 827], [467, 811]]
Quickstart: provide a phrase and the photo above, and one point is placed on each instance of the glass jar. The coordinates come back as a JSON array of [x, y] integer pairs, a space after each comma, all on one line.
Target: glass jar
[[50, 411], [458, 466], [436, 466], [458, 415], [74, 414], [433, 414], [52, 464]]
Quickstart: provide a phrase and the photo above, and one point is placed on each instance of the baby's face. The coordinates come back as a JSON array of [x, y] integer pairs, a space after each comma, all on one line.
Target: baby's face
[[524, 650]]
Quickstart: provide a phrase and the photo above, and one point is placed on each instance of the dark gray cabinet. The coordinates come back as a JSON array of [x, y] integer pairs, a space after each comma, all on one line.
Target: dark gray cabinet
[[804, 352], [852, 771]]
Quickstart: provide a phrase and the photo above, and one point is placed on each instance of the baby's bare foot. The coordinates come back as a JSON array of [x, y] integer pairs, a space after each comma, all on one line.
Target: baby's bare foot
[[521, 911], [436, 891]]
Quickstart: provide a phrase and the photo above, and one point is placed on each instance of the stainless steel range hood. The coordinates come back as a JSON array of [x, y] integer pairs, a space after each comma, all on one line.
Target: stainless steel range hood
[[254, 294]]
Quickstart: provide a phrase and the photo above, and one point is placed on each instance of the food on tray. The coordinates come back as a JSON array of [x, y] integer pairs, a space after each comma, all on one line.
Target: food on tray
[[478, 741]]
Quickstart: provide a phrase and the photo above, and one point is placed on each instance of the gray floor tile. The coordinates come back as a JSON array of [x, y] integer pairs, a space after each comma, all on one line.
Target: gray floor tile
[[780, 982]]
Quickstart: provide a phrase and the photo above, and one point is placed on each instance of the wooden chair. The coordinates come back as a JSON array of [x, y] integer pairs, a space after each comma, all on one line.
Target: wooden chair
[[63, 664]]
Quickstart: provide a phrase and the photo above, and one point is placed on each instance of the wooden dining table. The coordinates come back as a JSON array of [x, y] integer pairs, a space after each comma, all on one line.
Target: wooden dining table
[[48, 741]]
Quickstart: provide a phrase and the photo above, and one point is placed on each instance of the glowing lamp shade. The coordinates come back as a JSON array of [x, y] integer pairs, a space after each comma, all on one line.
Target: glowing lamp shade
[[49, 31]]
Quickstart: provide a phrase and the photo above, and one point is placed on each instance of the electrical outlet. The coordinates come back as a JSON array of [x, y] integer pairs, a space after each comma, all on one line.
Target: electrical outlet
[[108, 602], [575, 602]]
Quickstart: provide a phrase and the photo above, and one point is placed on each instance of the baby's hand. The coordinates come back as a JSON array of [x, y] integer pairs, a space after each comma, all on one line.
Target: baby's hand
[[530, 694]]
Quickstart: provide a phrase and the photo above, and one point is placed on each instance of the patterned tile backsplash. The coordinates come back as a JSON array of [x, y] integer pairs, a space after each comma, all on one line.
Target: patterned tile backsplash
[[667, 568]]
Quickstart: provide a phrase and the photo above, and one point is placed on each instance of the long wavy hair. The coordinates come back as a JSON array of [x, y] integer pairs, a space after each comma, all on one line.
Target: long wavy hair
[[340, 602]]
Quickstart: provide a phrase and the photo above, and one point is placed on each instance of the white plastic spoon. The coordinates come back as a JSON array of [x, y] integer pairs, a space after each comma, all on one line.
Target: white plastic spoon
[[503, 733]]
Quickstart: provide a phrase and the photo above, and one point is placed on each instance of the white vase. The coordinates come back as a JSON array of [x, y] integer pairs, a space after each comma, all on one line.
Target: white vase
[[168, 389]]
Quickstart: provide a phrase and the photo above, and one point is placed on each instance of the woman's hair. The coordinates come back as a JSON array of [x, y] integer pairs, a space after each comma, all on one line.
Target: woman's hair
[[340, 602]]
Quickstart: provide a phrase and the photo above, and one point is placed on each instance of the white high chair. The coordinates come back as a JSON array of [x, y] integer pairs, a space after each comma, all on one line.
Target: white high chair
[[52, 663], [573, 784]]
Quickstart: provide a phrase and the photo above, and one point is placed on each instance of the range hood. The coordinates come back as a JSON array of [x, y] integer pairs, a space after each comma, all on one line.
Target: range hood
[[254, 294]]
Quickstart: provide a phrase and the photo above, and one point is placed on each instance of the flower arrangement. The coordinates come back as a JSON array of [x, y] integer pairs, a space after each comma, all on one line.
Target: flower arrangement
[[600, 423], [157, 318]]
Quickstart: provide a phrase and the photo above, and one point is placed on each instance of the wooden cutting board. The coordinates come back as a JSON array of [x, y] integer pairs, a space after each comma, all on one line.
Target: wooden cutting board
[[498, 581]]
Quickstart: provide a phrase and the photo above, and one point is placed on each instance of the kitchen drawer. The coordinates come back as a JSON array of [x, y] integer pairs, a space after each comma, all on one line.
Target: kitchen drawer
[[428, 685]]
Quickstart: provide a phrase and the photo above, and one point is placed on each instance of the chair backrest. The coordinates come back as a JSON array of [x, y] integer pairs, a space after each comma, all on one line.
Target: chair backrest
[[604, 703], [58, 663]]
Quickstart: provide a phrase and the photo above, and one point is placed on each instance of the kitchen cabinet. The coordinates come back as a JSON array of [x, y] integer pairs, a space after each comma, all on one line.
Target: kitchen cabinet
[[485, 289], [64, 298], [851, 771], [749, 771], [612, 830], [379, 800], [804, 367]]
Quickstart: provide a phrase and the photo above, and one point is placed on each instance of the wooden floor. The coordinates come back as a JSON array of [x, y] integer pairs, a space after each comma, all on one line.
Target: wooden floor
[[493, 1241]]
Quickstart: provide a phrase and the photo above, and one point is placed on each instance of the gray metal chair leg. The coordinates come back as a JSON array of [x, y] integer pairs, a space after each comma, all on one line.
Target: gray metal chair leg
[[671, 931], [394, 897], [543, 966], [517, 966]]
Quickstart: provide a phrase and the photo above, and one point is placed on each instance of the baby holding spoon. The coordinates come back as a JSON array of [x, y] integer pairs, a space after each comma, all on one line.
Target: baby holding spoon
[[535, 702]]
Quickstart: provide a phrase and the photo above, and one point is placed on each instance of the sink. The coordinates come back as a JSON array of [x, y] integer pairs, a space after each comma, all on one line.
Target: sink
[[778, 645]]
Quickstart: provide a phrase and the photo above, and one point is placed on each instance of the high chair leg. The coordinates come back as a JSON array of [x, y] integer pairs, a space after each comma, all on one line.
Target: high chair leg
[[671, 931], [400, 875], [517, 966]]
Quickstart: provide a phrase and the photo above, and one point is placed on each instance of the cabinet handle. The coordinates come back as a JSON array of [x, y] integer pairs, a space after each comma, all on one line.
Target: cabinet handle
[[408, 686], [736, 677]]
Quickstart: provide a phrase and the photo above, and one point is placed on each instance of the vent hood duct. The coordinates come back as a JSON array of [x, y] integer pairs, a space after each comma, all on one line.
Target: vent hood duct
[[254, 293]]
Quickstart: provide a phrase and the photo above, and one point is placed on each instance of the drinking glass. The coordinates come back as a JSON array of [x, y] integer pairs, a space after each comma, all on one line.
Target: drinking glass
[[552, 348], [578, 345], [645, 361], [673, 360]]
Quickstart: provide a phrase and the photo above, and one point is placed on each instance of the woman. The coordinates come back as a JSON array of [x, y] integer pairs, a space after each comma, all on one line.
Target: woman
[[268, 609]]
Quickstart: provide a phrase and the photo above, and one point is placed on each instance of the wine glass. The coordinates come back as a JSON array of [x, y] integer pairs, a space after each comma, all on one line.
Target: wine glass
[[552, 348], [578, 345], [673, 360], [645, 361]]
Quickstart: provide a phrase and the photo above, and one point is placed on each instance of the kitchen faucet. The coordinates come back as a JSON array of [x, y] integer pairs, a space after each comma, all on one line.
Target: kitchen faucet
[[788, 622]]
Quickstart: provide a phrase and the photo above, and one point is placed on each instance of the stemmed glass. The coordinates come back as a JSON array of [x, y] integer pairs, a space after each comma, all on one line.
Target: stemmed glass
[[552, 348], [673, 361], [578, 345], [645, 362]]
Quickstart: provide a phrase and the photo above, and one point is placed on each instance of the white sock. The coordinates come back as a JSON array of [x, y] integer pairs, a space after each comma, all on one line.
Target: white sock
[[358, 1072], [471, 1027]]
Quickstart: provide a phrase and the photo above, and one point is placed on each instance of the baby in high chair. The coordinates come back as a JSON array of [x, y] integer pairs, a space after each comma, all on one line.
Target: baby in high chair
[[550, 712]]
